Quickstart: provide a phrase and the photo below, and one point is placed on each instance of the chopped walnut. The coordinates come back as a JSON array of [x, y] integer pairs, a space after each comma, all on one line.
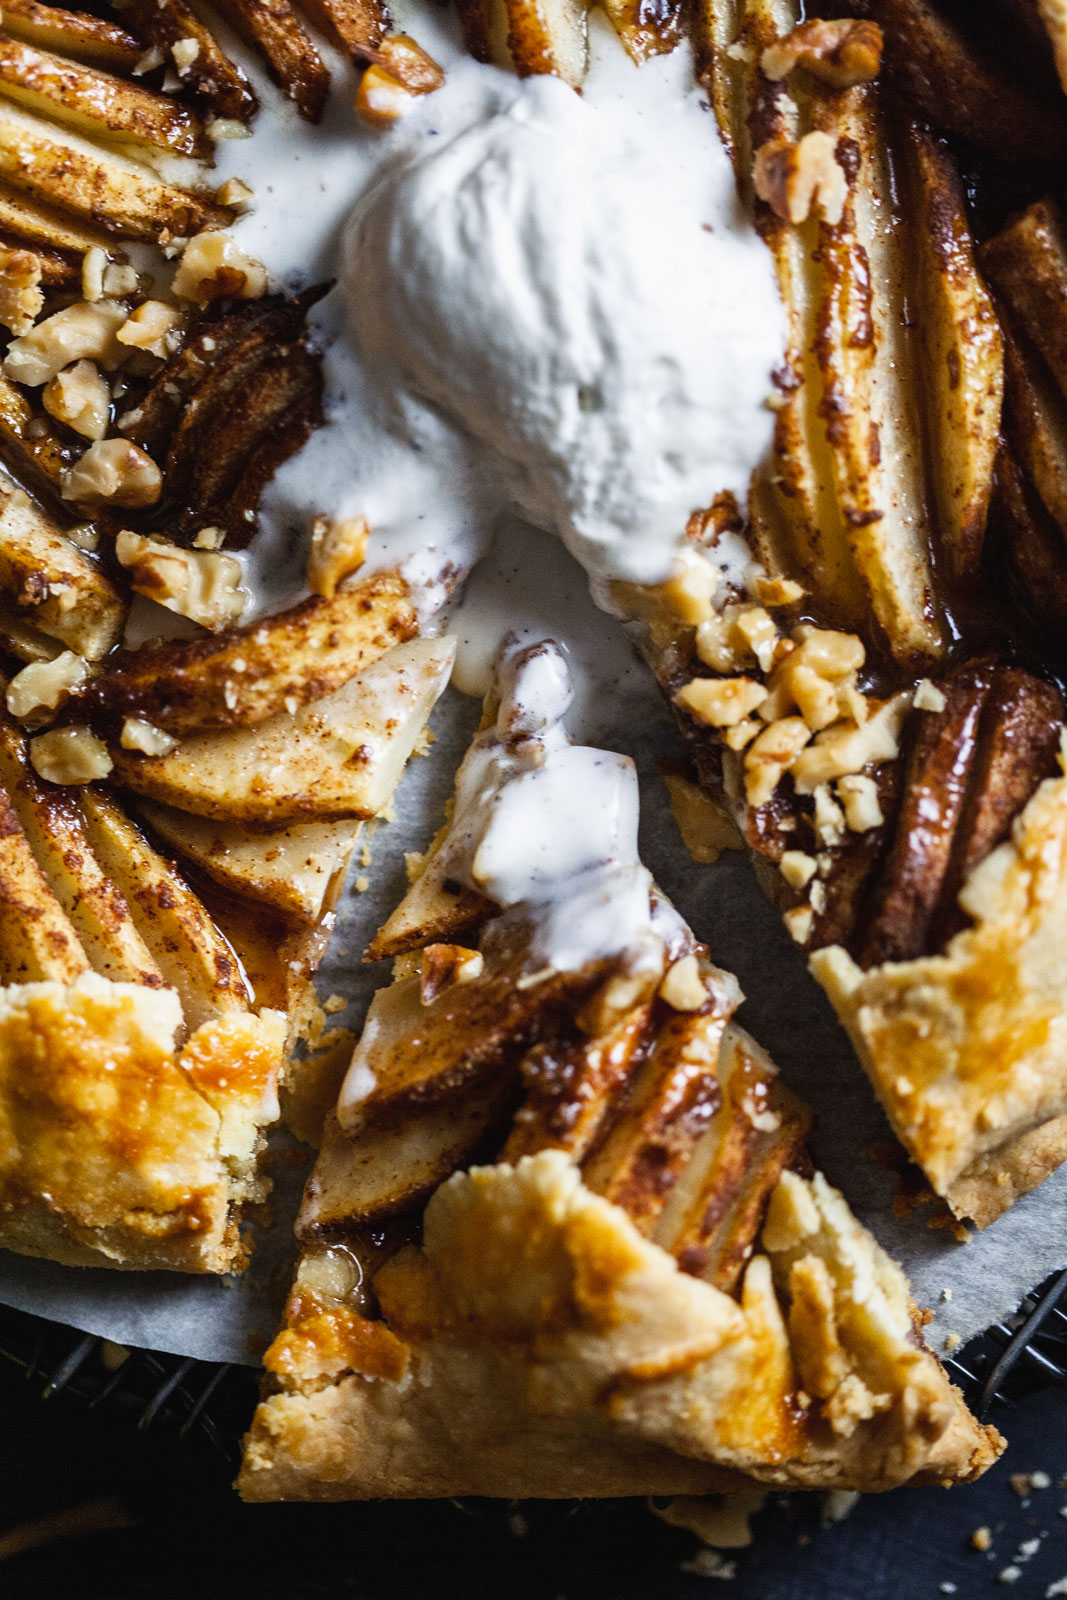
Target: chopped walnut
[[338, 549], [21, 297], [235, 195], [213, 267], [928, 697], [184, 52], [829, 818], [796, 179], [797, 868], [840, 54], [813, 676], [43, 685], [742, 733], [94, 265], [76, 332], [223, 128], [151, 327], [799, 923], [721, 702], [209, 539], [120, 279], [69, 755], [443, 965], [113, 472], [198, 584], [779, 591], [849, 747], [683, 988], [409, 64], [727, 641], [145, 737], [770, 756], [392, 83], [859, 796], [80, 397]]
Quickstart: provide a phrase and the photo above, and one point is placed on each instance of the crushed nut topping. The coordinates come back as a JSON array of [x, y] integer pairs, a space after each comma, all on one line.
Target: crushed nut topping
[[213, 267], [151, 327], [797, 179], [198, 584], [184, 52], [928, 697], [859, 797], [137, 734], [392, 83], [338, 550], [21, 297], [840, 53], [79, 396], [69, 756], [69, 335], [43, 685], [120, 279], [113, 472], [799, 922], [848, 747], [721, 702], [235, 195], [797, 868], [770, 756], [683, 988], [94, 265]]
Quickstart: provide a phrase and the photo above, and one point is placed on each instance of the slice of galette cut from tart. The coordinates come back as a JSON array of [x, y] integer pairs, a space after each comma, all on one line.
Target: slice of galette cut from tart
[[563, 1237], [149, 1010]]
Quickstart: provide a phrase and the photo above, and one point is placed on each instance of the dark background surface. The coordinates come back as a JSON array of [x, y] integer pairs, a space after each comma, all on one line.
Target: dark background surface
[[188, 1538]]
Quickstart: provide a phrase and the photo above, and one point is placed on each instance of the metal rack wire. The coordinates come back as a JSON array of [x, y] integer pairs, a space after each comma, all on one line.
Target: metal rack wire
[[1025, 1352]]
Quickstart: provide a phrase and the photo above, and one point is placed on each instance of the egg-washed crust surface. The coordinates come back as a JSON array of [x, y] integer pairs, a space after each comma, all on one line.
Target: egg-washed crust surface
[[535, 1344]]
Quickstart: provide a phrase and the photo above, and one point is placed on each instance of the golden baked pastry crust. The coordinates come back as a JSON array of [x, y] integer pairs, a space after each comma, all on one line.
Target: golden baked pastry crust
[[118, 1147], [536, 1344], [967, 1050]]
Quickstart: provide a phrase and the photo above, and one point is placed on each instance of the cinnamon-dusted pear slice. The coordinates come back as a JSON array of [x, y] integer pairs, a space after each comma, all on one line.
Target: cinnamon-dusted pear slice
[[94, 103], [72, 33], [55, 830], [273, 28], [191, 953], [986, 89], [105, 191], [1027, 264], [532, 36], [296, 870], [964, 359], [251, 674], [37, 940], [357, 25], [213, 77], [52, 584], [46, 232], [340, 756], [31, 446]]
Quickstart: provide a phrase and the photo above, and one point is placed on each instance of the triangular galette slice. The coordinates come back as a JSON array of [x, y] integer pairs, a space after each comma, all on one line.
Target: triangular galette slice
[[563, 1237]]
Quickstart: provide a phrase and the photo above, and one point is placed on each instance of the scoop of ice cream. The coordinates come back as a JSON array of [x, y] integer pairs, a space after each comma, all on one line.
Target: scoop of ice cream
[[576, 290]]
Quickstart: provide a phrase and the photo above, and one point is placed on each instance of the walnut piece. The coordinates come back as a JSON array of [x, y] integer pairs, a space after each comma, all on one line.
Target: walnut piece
[[184, 52], [69, 755], [113, 472], [840, 54], [137, 734], [797, 179], [770, 756], [21, 297], [338, 549], [721, 702], [43, 685], [797, 868], [393, 82], [683, 988], [151, 327], [848, 747], [213, 267], [859, 796], [69, 335], [199, 584], [80, 397], [94, 265], [235, 195]]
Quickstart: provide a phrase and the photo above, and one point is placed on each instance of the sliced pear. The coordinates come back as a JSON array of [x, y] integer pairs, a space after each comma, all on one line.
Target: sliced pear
[[338, 757], [47, 581]]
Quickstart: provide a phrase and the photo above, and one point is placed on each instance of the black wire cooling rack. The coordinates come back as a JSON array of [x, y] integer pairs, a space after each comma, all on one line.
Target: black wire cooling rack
[[181, 1396]]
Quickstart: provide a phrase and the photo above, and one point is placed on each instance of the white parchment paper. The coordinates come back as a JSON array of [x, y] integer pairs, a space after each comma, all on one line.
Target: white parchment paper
[[230, 1320]]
